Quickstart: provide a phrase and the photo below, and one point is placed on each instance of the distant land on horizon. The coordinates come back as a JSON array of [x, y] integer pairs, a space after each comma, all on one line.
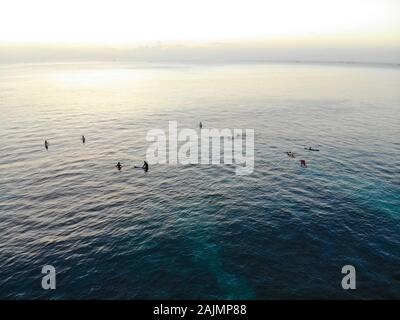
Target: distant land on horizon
[[204, 53]]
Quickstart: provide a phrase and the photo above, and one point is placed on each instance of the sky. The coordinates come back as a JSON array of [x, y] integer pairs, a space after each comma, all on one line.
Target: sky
[[256, 28]]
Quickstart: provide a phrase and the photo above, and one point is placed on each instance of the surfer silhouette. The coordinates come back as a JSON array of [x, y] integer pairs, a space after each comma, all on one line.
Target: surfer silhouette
[[119, 166]]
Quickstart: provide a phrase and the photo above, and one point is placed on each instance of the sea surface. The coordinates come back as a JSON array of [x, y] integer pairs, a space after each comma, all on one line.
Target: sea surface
[[199, 231]]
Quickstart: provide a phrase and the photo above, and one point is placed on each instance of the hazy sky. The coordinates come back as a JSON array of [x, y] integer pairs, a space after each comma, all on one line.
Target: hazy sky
[[255, 24]]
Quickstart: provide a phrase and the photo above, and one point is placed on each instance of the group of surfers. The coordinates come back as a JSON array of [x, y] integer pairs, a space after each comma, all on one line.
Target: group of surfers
[[302, 162], [145, 165]]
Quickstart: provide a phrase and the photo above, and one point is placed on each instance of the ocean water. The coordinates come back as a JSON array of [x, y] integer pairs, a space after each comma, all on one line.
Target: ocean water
[[199, 231]]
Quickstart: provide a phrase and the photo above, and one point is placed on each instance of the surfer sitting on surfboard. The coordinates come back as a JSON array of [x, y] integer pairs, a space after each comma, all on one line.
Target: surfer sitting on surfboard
[[119, 165], [145, 166]]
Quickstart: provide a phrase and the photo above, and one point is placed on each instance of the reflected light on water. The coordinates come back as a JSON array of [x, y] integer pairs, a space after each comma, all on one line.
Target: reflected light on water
[[99, 77]]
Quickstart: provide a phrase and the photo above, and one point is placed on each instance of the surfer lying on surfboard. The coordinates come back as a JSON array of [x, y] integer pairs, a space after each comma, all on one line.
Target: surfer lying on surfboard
[[311, 149]]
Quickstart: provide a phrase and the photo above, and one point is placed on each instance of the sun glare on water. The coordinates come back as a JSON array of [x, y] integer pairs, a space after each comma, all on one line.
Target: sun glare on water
[[100, 77]]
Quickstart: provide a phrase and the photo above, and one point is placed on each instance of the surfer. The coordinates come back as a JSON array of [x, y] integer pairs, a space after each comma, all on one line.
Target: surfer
[[83, 139], [303, 163], [201, 125], [119, 165], [290, 154], [145, 166], [311, 149], [46, 144]]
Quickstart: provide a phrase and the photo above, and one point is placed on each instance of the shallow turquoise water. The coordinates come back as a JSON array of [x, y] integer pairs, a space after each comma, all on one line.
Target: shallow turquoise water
[[199, 231]]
